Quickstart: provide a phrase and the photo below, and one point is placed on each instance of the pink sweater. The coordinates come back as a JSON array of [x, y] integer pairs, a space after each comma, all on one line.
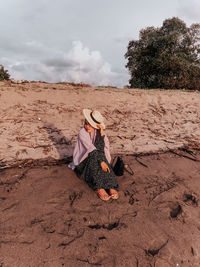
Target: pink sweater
[[85, 145]]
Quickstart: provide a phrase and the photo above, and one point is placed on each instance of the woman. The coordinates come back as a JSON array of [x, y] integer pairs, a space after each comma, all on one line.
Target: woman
[[91, 157]]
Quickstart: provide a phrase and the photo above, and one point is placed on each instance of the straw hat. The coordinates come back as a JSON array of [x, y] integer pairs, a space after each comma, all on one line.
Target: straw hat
[[94, 118]]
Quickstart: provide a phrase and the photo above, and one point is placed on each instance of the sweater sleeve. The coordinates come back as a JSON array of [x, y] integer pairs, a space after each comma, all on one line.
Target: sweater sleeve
[[100, 144], [83, 147], [100, 149]]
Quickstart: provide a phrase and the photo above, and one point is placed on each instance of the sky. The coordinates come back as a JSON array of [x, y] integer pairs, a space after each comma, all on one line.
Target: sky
[[79, 40]]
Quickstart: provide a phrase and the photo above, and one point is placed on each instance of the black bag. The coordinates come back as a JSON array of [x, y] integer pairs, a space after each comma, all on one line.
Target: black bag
[[119, 167]]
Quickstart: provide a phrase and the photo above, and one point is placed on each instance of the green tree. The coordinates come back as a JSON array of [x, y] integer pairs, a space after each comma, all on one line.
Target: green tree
[[166, 57], [4, 75]]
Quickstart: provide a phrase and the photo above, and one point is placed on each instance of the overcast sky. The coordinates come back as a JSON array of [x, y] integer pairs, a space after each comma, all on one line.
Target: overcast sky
[[79, 40]]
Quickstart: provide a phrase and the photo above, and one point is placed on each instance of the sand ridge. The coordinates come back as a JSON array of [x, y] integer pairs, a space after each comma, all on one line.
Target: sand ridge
[[41, 120]]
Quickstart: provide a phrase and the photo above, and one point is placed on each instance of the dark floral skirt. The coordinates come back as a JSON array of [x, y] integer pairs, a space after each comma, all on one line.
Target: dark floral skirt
[[90, 169]]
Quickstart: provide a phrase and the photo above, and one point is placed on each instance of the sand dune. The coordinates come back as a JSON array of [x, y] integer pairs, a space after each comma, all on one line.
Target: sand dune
[[41, 120]]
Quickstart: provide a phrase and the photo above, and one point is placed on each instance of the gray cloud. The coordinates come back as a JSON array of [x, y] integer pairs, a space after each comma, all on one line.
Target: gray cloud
[[59, 63], [189, 10], [79, 64], [37, 37]]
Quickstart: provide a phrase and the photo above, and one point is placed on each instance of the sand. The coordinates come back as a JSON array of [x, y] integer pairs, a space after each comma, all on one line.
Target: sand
[[50, 218], [40, 120]]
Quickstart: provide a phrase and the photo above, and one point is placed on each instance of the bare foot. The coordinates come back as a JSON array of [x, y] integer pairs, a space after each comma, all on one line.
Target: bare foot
[[114, 194], [103, 194]]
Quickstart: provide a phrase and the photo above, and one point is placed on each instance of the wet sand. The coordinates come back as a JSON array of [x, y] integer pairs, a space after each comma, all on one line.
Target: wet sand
[[50, 218]]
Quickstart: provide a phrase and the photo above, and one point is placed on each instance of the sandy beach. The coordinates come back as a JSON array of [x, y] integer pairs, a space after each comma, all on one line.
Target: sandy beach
[[50, 218], [41, 120]]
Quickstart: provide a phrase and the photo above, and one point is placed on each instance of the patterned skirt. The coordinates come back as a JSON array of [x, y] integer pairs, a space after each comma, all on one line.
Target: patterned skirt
[[90, 170]]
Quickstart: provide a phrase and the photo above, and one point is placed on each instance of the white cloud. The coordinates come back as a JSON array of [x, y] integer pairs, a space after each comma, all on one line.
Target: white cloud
[[79, 64], [36, 36], [88, 67]]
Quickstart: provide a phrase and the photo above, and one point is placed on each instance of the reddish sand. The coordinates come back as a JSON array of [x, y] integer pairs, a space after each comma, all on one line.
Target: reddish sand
[[49, 217]]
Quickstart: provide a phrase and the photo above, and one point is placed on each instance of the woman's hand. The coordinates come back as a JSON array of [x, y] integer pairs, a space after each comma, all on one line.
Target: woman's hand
[[101, 129], [105, 167]]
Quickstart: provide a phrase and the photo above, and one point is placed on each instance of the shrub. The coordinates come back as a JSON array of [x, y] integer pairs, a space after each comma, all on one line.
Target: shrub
[[4, 75]]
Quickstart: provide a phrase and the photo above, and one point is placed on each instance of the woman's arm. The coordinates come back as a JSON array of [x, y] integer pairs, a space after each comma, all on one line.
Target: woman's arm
[[104, 165], [101, 129], [84, 144]]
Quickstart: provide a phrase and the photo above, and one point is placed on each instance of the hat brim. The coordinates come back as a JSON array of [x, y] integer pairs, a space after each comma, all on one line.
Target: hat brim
[[86, 113]]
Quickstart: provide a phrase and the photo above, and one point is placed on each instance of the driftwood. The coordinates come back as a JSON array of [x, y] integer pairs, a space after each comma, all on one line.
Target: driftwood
[[140, 162], [188, 151], [181, 155], [49, 161]]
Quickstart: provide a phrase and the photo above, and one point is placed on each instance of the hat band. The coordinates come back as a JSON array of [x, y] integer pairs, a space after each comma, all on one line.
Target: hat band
[[94, 118]]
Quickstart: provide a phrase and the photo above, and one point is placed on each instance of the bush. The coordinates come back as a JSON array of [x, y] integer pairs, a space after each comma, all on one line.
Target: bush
[[4, 75]]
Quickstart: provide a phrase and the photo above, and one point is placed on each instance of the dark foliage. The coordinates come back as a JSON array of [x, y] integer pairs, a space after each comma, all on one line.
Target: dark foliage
[[166, 57], [4, 75]]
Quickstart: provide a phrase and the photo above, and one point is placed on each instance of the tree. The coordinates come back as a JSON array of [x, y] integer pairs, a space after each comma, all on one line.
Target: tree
[[4, 75], [165, 57]]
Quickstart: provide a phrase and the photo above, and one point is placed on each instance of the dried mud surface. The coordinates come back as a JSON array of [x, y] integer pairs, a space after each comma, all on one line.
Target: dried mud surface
[[50, 218]]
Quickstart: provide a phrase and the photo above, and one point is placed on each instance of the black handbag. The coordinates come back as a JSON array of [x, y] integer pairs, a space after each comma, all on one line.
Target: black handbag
[[119, 167]]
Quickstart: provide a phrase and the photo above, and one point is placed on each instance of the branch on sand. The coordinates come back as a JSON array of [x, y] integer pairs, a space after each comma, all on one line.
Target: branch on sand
[[182, 155], [140, 162]]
